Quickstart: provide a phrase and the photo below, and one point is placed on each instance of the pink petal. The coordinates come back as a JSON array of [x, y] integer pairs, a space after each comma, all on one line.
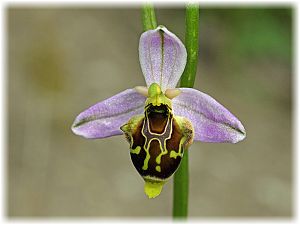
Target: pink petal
[[212, 122], [105, 118], [162, 57]]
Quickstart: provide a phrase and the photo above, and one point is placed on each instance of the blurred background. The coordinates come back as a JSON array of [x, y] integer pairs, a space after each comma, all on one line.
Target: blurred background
[[62, 60]]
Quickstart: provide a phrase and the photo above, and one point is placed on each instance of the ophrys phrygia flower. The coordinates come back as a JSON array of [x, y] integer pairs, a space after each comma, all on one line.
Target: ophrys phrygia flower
[[160, 121]]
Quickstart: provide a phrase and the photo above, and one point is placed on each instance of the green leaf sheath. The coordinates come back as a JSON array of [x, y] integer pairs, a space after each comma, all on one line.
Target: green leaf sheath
[[148, 17], [181, 177]]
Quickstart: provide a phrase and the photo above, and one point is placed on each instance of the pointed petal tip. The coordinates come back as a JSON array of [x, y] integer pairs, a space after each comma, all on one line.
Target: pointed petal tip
[[75, 128], [241, 134], [238, 138], [80, 127]]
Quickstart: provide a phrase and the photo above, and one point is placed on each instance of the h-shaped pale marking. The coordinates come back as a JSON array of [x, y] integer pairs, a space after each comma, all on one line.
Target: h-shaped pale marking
[[161, 138]]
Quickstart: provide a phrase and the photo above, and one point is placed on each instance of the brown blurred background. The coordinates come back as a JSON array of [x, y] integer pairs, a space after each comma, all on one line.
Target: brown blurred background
[[62, 60]]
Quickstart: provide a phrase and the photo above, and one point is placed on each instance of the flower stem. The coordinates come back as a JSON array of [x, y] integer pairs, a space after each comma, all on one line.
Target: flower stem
[[191, 44], [181, 189], [181, 177], [148, 17]]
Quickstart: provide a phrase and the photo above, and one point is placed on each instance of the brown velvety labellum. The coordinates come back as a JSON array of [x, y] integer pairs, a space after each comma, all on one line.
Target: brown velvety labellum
[[153, 140]]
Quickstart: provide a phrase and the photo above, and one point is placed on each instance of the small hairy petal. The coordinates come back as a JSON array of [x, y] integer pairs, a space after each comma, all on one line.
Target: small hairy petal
[[212, 122], [162, 57], [172, 93], [105, 118]]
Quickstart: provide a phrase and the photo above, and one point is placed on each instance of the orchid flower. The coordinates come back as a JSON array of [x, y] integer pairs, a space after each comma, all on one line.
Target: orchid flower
[[160, 121]]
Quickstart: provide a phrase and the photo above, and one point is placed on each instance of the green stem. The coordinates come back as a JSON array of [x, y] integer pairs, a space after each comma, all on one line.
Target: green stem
[[181, 177], [148, 17], [181, 189], [191, 44]]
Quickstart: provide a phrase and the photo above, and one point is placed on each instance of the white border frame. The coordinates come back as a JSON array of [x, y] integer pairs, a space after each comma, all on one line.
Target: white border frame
[[3, 111]]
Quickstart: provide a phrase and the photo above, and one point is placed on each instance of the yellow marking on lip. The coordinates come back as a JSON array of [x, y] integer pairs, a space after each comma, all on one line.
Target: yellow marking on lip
[[174, 154], [136, 150], [162, 143], [158, 158], [145, 166], [158, 169], [147, 158]]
